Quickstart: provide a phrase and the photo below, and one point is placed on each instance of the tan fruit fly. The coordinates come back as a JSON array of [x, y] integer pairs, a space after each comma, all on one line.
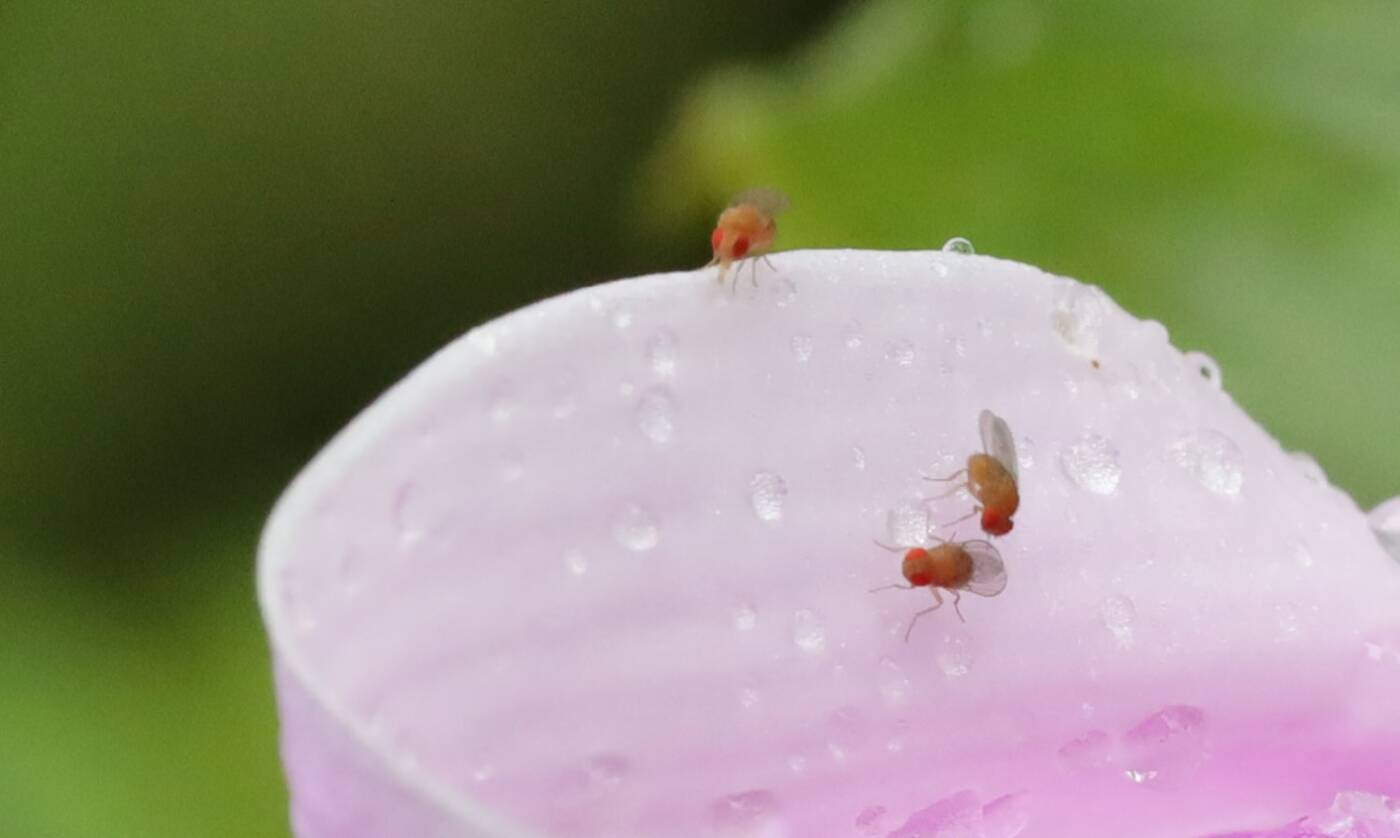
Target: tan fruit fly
[[952, 566], [991, 476], [746, 229]]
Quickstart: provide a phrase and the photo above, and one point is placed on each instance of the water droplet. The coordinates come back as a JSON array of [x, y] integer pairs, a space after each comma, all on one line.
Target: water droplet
[[907, 523], [846, 732], [784, 291], [750, 814], [1092, 463], [1385, 523], [748, 698], [1118, 612], [1088, 754], [635, 529], [1206, 367], [1213, 459], [958, 244], [626, 389], [576, 562], [1302, 556], [941, 269], [858, 457], [1290, 620], [797, 764], [767, 492], [621, 318], [661, 352], [656, 414], [503, 409], [483, 772], [1079, 317], [871, 820], [853, 335], [606, 771], [900, 353], [1165, 747], [745, 617], [808, 633], [408, 515], [802, 347], [892, 682], [1308, 467], [955, 656], [512, 467]]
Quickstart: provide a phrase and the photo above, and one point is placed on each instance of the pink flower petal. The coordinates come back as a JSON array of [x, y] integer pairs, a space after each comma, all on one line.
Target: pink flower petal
[[602, 568]]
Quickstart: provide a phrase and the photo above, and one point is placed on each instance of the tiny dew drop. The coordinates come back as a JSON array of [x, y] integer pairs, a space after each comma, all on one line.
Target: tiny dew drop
[[767, 493], [1213, 459], [808, 633], [958, 244], [1206, 367], [635, 529], [900, 353], [661, 353], [749, 813], [802, 347], [955, 657], [656, 414], [576, 562], [745, 617], [853, 335]]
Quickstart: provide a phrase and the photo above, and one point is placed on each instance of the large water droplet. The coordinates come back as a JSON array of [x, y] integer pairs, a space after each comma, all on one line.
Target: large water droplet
[[900, 353], [808, 632], [1212, 458], [802, 347], [955, 656], [1385, 523], [1166, 747], [907, 523], [1092, 463], [1206, 367], [749, 814], [892, 682], [958, 244], [656, 414], [767, 492], [635, 528], [1079, 317], [661, 352]]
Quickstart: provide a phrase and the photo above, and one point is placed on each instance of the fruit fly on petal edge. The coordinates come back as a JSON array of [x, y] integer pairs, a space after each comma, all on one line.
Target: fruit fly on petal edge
[[992, 477], [953, 566], [746, 229]]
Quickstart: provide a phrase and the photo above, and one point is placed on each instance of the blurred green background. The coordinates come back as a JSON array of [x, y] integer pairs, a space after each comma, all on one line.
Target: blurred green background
[[224, 229]]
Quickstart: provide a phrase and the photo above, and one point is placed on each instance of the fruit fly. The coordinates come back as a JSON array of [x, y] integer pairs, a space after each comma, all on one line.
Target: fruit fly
[[991, 476], [746, 229], [952, 566]]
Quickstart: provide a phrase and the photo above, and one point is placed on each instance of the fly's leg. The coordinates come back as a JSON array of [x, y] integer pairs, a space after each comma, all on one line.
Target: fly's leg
[[937, 601]]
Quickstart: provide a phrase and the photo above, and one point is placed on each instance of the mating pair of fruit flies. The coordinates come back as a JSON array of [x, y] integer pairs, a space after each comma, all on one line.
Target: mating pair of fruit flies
[[745, 230], [974, 566]]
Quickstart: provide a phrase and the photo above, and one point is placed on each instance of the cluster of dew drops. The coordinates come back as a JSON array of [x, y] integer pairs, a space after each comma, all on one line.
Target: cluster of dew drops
[[1167, 742]]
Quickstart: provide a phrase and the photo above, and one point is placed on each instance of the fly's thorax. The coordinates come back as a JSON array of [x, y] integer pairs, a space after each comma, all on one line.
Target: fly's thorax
[[950, 565]]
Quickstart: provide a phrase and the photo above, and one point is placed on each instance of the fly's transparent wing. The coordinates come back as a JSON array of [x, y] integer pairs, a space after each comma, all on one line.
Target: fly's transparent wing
[[998, 442], [988, 570], [765, 199]]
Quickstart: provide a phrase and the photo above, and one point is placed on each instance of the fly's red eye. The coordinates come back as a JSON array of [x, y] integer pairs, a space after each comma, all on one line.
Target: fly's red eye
[[741, 246], [716, 239], [994, 523]]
